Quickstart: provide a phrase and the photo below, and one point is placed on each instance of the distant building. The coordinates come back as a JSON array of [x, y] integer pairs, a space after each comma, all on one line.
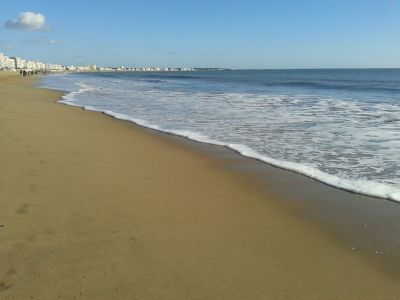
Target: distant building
[[71, 68], [19, 62], [30, 65], [54, 67], [6, 63], [2, 61], [40, 66]]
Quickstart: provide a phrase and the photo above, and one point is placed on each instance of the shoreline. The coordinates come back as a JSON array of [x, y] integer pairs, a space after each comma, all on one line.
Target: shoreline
[[315, 209], [102, 209], [318, 203], [228, 148], [367, 188]]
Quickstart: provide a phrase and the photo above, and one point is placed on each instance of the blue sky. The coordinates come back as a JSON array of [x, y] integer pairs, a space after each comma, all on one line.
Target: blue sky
[[225, 33]]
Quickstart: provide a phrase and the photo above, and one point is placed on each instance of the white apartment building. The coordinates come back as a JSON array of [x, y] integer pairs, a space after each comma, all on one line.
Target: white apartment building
[[84, 68], [19, 62], [54, 67], [71, 68], [6, 63], [30, 65], [9, 63], [39, 65], [2, 60]]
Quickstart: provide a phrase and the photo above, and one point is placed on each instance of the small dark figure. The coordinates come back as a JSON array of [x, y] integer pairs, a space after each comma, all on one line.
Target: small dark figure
[[24, 73], [20, 72]]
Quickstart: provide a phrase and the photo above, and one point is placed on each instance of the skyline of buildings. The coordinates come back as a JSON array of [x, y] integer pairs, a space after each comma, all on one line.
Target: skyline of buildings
[[14, 63]]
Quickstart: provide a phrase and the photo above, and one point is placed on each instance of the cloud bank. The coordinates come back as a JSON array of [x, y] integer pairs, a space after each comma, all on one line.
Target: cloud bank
[[27, 21]]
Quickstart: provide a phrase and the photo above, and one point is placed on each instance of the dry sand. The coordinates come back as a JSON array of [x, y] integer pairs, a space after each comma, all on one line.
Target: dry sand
[[96, 208]]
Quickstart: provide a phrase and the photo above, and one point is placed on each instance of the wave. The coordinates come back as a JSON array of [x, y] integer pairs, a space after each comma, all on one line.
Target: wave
[[350, 86], [364, 187]]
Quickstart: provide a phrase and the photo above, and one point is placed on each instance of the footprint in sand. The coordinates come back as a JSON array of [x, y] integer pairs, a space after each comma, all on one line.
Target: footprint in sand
[[5, 286], [23, 209]]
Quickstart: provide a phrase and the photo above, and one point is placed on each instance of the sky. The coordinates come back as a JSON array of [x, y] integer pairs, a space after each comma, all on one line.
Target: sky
[[204, 33]]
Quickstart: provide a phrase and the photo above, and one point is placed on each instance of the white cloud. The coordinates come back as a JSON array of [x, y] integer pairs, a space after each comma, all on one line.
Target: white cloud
[[27, 21], [53, 42]]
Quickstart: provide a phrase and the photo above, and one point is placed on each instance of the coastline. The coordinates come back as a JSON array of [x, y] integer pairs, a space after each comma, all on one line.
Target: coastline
[[349, 182], [100, 208]]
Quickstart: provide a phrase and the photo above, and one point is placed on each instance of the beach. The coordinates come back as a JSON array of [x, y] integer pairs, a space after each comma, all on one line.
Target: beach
[[98, 208]]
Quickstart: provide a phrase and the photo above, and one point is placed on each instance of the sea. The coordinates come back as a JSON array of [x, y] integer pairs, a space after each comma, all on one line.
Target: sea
[[337, 126]]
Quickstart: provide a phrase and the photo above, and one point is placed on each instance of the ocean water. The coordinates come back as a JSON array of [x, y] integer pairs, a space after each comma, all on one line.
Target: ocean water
[[341, 127]]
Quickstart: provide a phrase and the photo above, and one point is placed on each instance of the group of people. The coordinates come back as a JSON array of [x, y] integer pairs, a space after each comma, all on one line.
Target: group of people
[[29, 73]]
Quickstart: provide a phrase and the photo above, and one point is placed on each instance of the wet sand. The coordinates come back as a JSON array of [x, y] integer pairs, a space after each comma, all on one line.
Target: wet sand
[[367, 225], [96, 208]]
